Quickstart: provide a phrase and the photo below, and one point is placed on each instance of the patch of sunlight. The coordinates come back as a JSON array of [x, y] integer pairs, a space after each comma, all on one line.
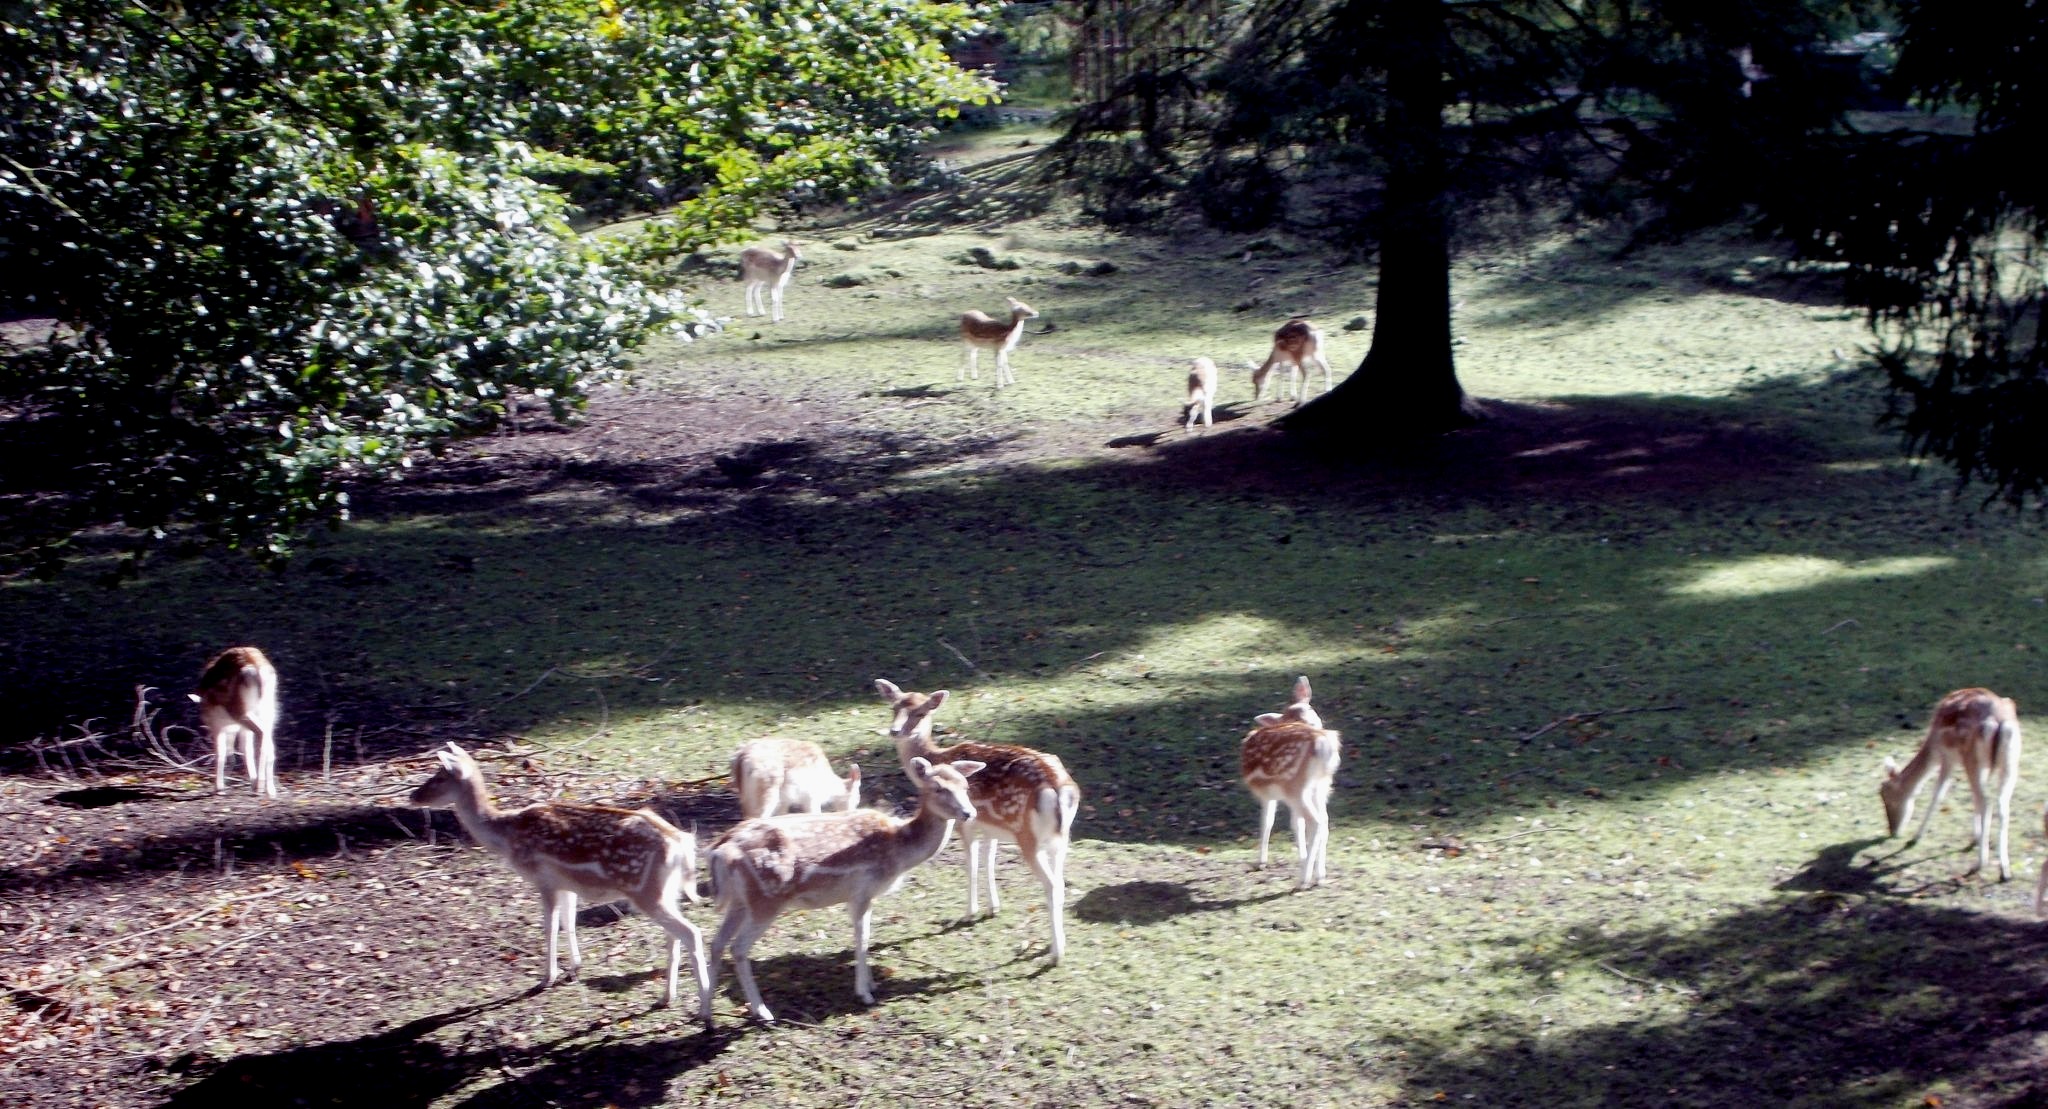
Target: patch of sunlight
[[1865, 465], [1764, 574]]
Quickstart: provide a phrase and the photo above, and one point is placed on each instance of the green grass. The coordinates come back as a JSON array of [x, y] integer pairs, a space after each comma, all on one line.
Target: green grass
[[1679, 897]]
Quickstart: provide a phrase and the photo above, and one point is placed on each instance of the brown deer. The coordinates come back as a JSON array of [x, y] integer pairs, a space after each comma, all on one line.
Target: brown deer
[[594, 851], [761, 270], [773, 776], [238, 706], [762, 868], [1980, 731], [1025, 797], [981, 333], [1201, 393], [1295, 344], [1291, 757]]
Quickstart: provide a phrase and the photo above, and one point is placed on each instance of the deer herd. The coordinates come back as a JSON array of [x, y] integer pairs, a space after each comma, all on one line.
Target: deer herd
[[805, 842], [1297, 344]]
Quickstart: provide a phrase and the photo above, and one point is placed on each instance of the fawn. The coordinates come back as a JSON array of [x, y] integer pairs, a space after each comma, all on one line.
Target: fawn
[[238, 706], [1025, 797], [763, 269], [1201, 393], [763, 867], [568, 851], [1295, 344], [773, 776], [1979, 730], [1291, 757], [980, 333]]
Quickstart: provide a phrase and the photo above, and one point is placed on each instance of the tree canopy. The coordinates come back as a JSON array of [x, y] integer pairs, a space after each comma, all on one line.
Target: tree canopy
[[291, 243]]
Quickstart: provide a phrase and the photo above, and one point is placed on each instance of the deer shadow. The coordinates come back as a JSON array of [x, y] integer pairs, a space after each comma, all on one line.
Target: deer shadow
[[1151, 902]]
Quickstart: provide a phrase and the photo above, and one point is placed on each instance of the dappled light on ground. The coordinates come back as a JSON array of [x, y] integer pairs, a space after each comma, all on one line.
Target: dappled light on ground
[[1767, 574]]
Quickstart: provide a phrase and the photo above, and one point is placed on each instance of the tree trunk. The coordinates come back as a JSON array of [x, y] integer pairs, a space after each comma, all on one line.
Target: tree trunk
[[1408, 383]]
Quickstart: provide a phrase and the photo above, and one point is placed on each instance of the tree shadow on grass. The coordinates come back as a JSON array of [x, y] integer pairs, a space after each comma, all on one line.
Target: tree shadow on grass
[[1836, 1002], [1153, 902]]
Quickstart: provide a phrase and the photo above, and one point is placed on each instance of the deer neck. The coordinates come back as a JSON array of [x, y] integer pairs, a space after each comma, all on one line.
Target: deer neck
[[922, 835], [918, 744], [1919, 767], [482, 819]]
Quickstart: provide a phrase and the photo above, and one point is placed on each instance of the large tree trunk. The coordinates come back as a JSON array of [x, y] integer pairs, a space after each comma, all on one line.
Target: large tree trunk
[[1408, 384]]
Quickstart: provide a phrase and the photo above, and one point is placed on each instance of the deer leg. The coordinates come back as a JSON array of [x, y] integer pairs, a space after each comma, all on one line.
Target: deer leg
[[223, 741], [1045, 862], [743, 968], [680, 932], [1941, 784], [1266, 827], [988, 869], [863, 980], [2006, 782], [550, 921], [1317, 866]]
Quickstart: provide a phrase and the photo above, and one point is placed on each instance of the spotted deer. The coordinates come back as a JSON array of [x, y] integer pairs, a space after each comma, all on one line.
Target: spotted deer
[[981, 333], [1289, 756], [763, 868], [1201, 393], [773, 776], [568, 851], [1980, 731], [1295, 344], [1025, 797], [762, 270], [238, 706]]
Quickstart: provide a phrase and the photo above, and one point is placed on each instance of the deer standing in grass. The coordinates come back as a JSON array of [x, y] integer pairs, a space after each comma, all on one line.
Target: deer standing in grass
[[1980, 731], [238, 706], [1290, 757], [594, 851], [1025, 797], [1295, 344], [762, 270], [1201, 393], [981, 333], [762, 868], [773, 776]]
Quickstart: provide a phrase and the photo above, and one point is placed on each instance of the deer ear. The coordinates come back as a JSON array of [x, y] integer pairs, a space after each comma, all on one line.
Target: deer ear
[[853, 775], [888, 690], [920, 769], [1267, 719], [195, 697], [967, 767], [1301, 689], [1890, 766], [935, 700]]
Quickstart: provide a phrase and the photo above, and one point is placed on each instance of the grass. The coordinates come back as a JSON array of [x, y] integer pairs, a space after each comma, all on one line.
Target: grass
[[1614, 675]]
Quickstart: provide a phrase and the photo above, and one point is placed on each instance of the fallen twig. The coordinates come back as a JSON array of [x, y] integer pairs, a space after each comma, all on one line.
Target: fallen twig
[[964, 660], [1582, 717], [1625, 976]]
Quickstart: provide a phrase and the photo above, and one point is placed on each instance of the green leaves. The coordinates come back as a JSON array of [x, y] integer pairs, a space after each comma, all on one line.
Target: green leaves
[[295, 243]]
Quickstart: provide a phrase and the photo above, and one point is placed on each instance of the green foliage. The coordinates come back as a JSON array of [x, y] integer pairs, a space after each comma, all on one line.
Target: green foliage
[[292, 244]]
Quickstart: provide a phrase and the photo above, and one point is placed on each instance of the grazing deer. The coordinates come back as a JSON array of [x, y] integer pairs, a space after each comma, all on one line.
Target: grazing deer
[[238, 706], [980, 333], [761, 268], [1296, 344], [569, 851], [1980, 730], [763, 867], [1291, 757], [773, 776], [1024, 797], [1201, 393]]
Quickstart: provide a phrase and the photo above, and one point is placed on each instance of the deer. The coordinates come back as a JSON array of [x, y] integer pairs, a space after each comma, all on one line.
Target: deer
[[567, 851], [1980, 731], [981, 333], [238, 706], [764, 867], [1295, 344], [1289, 756], [1201, 393], [1025, 797], [773, 776], [761, 268]]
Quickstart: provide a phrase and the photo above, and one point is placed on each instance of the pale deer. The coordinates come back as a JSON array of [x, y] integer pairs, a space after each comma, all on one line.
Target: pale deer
[[1295, 344], [1201, 393], [1025, 797], [761, 270], [981, 333], [773, 776], [762, 868], [238, 706], [1980, 731], [1290, 757], [569, 851]]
